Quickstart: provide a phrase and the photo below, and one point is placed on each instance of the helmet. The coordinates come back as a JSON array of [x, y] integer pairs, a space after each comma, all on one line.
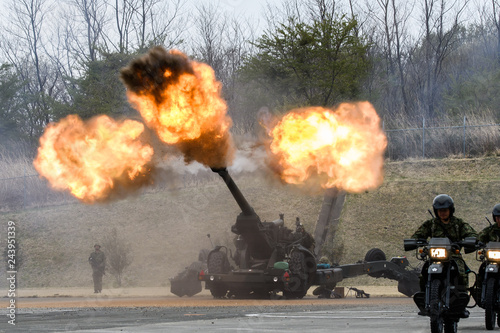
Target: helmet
[[97, 245], [443, 201], [324, 260], [496, 211]]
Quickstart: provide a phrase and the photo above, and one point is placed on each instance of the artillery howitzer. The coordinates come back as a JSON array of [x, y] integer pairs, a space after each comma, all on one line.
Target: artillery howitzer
[[271, 258]]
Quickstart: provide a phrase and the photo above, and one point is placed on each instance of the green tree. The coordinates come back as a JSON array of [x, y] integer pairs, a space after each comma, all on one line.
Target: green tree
[[99, 90], [317, 63], [473, 75], [10, 113]]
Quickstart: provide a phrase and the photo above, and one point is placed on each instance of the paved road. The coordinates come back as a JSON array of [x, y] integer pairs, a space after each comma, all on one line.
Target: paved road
[[206, 315]]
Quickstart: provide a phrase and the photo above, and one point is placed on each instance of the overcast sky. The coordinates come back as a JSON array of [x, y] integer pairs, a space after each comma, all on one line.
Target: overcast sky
[[244, 7], [247, 10]]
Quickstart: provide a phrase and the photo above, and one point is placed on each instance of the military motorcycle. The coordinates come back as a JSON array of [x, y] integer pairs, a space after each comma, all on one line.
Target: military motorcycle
[[445, 298], [486, 290]]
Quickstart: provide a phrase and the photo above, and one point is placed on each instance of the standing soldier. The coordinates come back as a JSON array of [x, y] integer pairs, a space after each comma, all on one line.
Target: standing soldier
[[97, 260]]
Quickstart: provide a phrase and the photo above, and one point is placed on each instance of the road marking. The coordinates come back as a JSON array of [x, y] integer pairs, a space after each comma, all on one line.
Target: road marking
[[195, 314], [325, 317], [344, 315]]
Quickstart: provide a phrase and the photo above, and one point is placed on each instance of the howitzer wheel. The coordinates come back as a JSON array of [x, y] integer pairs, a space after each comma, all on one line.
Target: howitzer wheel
[[217, 263], [298, 280], [218, 290], [375, 255]]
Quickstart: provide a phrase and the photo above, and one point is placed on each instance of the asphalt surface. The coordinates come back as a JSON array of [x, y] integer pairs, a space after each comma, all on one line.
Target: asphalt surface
[[203, 314]]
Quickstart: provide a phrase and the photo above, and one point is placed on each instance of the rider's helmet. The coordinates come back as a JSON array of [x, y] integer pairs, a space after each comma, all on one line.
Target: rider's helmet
[[324, 260], [443, 201], [496, 211]]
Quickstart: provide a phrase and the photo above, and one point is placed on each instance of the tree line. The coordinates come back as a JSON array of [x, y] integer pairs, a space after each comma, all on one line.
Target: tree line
[[412, 59]]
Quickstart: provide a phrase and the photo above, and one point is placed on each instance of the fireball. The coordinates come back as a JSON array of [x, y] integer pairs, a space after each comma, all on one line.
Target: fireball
[[340, 148], [181, 100], [90, 159]]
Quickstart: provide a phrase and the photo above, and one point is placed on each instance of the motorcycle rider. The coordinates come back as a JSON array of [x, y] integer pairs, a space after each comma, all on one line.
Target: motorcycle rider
[[445, 224], [492, 232], [489, 234]]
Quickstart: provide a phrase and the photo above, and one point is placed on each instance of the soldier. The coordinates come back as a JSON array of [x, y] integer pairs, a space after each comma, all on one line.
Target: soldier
[[492, 232], [97, 260], [305, 238], [489, 234], [446, 225], [323, 291]]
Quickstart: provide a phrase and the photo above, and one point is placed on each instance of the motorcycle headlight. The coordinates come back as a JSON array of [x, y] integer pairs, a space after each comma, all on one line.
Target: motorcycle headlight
[[493, 254], [438, 253]]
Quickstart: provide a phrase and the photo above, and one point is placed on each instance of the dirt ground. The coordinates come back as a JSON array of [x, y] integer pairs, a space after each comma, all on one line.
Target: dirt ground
[[119, 297], [374, 291]]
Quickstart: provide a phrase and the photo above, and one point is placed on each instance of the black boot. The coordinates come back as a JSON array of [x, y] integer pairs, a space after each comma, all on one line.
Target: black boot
[[465, 314]]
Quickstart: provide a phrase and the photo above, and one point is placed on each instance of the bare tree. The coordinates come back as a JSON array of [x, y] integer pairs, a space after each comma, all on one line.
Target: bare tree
[[210, 26], [321, 9], [26, 50], [117, 252], [238, 47], [123, 13], [392, 17], [495, 18], [140, 24], [441, 20], [223, 42], [89, 38], [156, 23]]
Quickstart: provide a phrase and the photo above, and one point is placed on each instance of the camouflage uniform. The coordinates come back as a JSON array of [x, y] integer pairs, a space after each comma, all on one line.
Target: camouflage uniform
[[490, 234], [456, 230], [97, 260]]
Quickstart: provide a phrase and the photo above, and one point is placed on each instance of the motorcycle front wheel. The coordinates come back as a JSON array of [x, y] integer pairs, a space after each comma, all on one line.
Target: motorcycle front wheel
[[489, 304], [450, 326], [435, 307]]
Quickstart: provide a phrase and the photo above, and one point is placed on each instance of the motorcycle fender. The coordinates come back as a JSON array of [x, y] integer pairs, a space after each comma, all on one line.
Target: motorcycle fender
[[491, 269], [435, 269]]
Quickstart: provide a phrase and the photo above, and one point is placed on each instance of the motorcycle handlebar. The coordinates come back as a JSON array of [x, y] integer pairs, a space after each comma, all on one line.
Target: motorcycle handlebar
[[469, 243]]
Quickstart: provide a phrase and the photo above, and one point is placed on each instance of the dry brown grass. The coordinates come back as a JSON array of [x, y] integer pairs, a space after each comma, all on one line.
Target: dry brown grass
[[444, 136], [166, 228]]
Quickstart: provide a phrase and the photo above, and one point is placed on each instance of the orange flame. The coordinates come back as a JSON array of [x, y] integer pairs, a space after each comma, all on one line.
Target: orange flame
[[180, 99], [340, 148], [90, 159]]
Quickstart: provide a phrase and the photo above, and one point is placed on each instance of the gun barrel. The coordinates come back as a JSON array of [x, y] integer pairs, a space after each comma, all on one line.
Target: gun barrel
[[245, 207]]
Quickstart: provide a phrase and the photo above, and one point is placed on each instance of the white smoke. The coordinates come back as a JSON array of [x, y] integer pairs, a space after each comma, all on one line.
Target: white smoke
[[248, 161]]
